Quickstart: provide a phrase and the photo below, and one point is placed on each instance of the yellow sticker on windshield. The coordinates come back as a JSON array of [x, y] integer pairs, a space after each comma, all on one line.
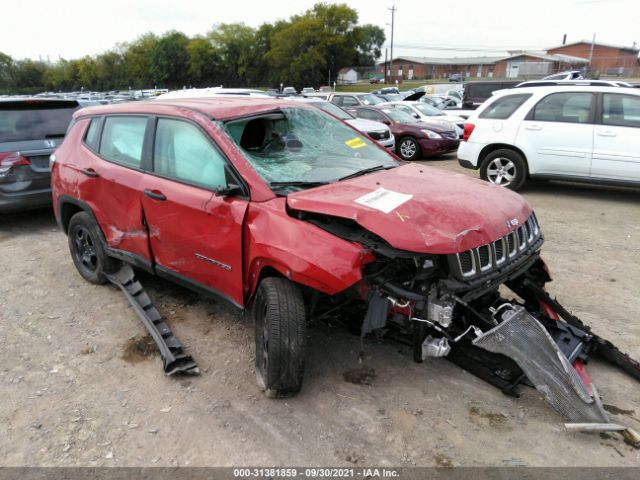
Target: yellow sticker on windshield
[[356, 143]]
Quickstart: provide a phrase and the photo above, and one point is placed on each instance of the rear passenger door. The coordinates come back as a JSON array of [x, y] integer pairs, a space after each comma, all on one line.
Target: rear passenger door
[[616, 143], [110, 180], [557, 134], [195, 236]]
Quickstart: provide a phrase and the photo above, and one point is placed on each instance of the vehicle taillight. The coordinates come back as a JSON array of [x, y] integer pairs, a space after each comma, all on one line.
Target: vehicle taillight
[[468, 130], [8, 160]]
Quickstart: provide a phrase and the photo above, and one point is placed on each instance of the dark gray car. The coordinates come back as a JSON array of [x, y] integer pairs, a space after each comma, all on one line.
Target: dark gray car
[[30, 130]]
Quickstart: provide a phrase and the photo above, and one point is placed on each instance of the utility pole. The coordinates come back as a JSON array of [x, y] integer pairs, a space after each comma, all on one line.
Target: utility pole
[[393, 14], [593, 41], [386, 52]]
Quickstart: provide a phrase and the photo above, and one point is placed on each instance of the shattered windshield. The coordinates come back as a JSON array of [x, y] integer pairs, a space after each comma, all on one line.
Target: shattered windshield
[[333, 109], [297, 148]]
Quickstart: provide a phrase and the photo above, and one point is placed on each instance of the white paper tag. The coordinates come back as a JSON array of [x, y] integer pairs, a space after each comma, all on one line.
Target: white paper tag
[[383, 199]]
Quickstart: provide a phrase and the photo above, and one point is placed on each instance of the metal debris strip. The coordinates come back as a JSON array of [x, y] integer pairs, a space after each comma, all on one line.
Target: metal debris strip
[[521, 337], [174, 358]]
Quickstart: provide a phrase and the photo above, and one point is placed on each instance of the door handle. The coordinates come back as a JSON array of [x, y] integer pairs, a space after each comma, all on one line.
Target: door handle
[[90, 172], [607, 133], [155, 194], [533, 127]]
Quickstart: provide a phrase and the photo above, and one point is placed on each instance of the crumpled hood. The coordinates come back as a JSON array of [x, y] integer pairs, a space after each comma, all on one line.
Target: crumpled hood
[[420, 209]]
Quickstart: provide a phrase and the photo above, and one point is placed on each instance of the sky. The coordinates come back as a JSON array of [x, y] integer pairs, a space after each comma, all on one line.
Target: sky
[[48, 30]]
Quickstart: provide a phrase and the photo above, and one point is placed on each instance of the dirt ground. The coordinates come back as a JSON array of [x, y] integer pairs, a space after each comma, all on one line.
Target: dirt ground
[[80, 385]]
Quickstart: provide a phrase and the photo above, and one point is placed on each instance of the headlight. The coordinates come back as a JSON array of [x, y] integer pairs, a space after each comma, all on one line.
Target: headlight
[[431, 135]]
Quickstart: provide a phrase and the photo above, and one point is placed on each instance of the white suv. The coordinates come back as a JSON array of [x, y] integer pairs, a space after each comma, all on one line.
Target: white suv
[[577, 133]]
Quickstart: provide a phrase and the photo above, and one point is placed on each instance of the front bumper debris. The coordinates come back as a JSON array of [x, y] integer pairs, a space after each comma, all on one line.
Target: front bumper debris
[[174, 358]]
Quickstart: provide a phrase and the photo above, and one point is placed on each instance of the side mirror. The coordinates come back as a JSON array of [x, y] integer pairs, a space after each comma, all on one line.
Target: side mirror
[[230, 190], [415, 115]]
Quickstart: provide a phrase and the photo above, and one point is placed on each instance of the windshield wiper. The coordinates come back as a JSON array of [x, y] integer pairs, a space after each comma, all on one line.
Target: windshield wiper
[[365, 171], [297, 183]]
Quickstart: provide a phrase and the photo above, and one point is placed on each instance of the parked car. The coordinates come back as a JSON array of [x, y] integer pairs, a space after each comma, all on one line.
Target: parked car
[[325, 88], [588, 83], [289, 91], [286, 211], [390, 97], [375, 80], [347, 100], [568, 75], [423, 111], [377, 131], [456, 77], [386, 91], [578, 133], [307, 90], [30, 130], [475, 93], [414, 138]]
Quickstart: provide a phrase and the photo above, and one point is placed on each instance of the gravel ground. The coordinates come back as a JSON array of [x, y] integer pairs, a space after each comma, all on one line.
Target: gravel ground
[[81, 385]]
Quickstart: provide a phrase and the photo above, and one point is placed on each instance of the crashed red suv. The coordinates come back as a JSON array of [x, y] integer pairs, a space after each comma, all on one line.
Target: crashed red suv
[[286, 211]]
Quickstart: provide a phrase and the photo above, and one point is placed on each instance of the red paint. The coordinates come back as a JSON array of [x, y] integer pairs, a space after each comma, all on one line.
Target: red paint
[[580, 368], [448, 213], [548, 311], [226, 243]]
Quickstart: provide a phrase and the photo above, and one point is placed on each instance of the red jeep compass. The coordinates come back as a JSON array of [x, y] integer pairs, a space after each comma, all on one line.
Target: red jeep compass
[[287, 211]]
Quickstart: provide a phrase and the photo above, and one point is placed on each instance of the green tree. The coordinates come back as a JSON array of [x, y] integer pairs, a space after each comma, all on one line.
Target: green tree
[[169, 60], [204, 62]]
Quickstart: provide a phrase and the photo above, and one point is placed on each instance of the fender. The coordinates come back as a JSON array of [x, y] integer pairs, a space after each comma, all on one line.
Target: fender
[[298, 250]]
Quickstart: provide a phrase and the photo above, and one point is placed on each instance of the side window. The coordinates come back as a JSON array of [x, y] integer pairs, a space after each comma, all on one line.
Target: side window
[[92, 136], [122, 140], [183, 152], [349, 101], [369, 115], [621, 110], [405, 109], [337, 99], [503, 107], [569, 107]]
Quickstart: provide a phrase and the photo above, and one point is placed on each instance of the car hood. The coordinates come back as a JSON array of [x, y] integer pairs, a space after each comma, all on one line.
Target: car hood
[[365, 125], [420, 209]]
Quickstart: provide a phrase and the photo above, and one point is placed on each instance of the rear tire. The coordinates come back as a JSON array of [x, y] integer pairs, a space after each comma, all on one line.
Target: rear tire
[[279, 317], [504, 167], [408, 149], [87, 250]]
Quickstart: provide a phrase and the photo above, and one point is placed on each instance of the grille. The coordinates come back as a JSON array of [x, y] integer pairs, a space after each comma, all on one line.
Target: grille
[[488, 257], [379, 135], [522, 338]]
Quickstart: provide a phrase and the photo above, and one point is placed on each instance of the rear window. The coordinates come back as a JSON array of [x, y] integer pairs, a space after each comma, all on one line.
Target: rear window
[[34, 120], [503, 107]]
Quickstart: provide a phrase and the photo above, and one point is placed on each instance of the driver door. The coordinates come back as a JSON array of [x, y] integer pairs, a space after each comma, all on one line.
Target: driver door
[[195, 236]]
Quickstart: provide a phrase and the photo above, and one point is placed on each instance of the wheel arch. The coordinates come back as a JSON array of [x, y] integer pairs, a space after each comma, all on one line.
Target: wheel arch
[[412, 137], [502, 146]]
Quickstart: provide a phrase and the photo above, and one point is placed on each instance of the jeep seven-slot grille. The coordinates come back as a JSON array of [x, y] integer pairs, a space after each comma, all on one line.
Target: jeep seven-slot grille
[[486, 258]]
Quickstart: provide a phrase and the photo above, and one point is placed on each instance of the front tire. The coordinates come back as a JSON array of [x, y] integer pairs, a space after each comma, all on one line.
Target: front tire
[[279, 317], [408, 148], [86, 249], [504, 167]]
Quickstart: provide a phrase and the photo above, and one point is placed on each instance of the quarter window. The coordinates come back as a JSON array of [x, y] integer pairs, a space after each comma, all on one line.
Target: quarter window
[[122, 140], [621, 110], [569, 107], [183, 152], [92, 137], [503, 107]]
